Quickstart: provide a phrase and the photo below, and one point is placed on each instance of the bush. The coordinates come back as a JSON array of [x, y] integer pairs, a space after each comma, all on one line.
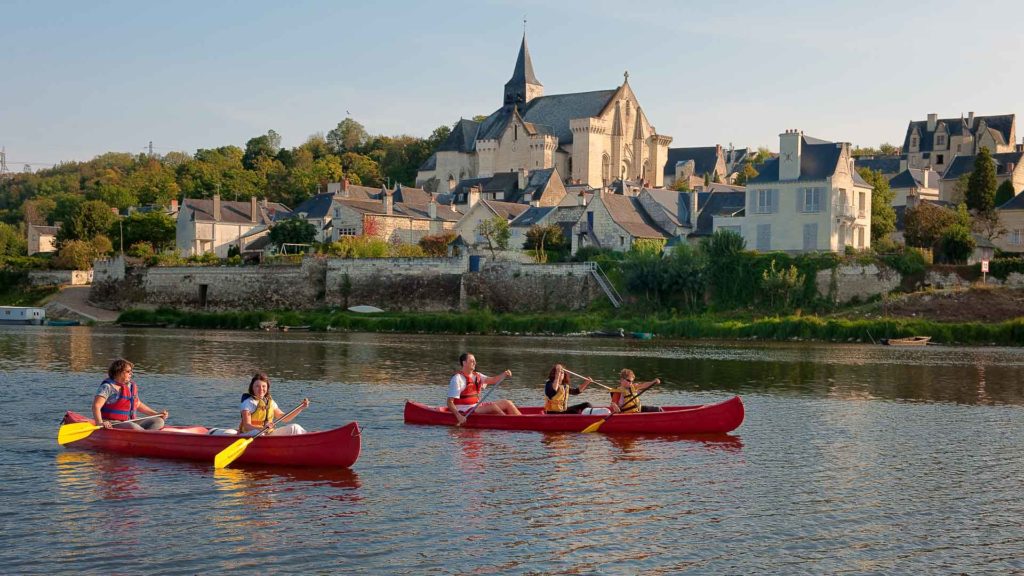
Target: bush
[[908, 262], [406, 251], [437, 245], [357, 247], [141, 250], [75, 255]]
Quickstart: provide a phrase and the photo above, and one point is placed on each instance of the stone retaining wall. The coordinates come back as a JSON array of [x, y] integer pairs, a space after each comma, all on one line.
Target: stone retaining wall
[[59, 277]]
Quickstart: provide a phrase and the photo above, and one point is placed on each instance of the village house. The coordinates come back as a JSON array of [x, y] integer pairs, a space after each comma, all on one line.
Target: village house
[[416, 214], [541, 187], [615, 222], [935, 142], [477, 210], [913, 183], [808, 199], [1011, 218], [695, 166], [214, 225], [42, 239], [1008, 167], [590, 137]]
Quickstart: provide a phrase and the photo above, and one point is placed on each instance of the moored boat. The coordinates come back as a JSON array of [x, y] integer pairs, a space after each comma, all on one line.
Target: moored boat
[[337, 448], [909, 341], [717, 418]]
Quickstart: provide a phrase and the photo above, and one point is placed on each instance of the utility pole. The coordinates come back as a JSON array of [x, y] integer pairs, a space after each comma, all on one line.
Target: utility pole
[[150, 148], [3, 162]]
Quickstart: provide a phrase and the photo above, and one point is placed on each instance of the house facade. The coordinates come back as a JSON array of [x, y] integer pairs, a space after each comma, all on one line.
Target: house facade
[[42, 239], [914, 184], [696, 165], [479, 210], [590, 137], [615, 222], [1009, 166], [808, 199], [935, 142], [214, 225], [403, 222], [1011, 218]]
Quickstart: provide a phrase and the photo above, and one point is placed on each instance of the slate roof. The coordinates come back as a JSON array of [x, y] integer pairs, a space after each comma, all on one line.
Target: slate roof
[[318, 206], [553, 112], [676, 204], [532, 215], [430, 164], [883, 164], [416, 211], [711, 204], [965, 164], [232, 212], [462, 137], [1015, 203], [914, 178], [536, 182], [1002, 125], [627, 212], [818, 160], [505, 183], [508, 210], [523, 72], [705, 158]]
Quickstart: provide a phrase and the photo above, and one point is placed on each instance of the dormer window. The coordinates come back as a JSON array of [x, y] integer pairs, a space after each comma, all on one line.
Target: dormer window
[[940, 139], [914, 143]]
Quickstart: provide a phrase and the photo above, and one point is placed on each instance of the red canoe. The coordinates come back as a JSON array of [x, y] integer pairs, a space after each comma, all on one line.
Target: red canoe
[[332, 448], [716, 418]]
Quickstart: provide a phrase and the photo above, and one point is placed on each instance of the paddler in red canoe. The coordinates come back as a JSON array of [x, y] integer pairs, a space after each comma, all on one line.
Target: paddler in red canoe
[[627, 395], [465, 387], [118, 400], [557, 390]]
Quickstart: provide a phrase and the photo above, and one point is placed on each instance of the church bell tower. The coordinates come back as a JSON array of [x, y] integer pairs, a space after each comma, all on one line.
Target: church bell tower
[[523, 86]]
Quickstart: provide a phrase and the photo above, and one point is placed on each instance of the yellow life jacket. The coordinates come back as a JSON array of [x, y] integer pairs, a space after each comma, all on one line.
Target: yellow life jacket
[[258, 417], [627, 398], [558, 403]]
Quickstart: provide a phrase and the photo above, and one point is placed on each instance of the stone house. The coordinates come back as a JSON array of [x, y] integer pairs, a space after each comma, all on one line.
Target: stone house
[[695, 165], [479, 210], [615, 222], [889, 166], [808, 199], [42, 239], [933, 143], [1008, 167], [1011, 217], [591, 137], [541, 187], [398, 222], [320, 209], [214, 225], [914, 183], [692, 215]]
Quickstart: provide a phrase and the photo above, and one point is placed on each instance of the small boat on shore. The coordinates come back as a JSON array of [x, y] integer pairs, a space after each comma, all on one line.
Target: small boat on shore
[[620, 333], [56, 322], [337, 448], [641, 335], [909, 341], [304, 328], [143, 324], [716, 418]]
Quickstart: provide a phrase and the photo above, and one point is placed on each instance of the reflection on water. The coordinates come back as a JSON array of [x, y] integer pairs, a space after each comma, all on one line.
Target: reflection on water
[[853, 458]]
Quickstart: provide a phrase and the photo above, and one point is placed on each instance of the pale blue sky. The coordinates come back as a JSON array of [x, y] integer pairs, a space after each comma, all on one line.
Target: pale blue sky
[[83, 78]]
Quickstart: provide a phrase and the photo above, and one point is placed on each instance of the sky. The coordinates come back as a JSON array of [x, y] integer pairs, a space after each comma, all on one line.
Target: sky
[[83, 78]]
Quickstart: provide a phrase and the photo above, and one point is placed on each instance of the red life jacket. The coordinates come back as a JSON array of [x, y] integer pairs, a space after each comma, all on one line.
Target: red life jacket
[[471, 393], [122, 406]]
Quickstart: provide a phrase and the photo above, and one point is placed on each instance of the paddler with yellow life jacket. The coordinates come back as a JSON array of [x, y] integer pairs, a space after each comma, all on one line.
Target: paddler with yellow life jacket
[[118, 400], [557, 390], [627, 395], [258, 404], [467, 384]]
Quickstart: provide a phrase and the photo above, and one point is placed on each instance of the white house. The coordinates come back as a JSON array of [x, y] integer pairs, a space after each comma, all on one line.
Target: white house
[[808, 199], [214, 225]]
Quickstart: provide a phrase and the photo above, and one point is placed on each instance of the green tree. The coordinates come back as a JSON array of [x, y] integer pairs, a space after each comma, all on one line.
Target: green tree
[[154, 228], [76, 255], [957, 244], [12, 241], [545, 236], [347, 136], [361, 169], [265, 146], [883, 217], [725, 266], [94, 218], [746, 174], [926, 223], [683, 279], [889, 149], [780, 285], [981, 185], [496, 232], [1005, 192], [292, 231]]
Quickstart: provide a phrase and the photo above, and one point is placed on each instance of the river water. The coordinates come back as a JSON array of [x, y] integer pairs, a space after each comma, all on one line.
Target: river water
[[852, 460]]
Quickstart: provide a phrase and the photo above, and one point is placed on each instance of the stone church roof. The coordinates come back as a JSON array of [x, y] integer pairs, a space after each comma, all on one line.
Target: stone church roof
[[552, 112]]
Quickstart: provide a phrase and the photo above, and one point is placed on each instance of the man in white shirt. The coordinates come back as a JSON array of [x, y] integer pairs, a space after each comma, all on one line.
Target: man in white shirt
[[464, 392]]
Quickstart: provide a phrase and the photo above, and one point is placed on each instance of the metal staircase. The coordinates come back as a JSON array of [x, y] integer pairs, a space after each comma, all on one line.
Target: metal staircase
[[605, 284]]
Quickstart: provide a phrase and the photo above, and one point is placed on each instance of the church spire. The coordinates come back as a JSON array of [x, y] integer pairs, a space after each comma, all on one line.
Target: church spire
[[523, 86]]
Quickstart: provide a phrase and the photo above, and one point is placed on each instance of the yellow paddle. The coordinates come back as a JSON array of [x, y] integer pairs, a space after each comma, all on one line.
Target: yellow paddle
[[79, 430], [593, 427], [228, 455]]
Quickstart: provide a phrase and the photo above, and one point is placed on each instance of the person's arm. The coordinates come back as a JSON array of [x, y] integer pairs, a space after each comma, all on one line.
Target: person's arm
[[497, 379], [454, 410], [645, 385], [583, 386], [97, 416], [146, 410], [303, 406]]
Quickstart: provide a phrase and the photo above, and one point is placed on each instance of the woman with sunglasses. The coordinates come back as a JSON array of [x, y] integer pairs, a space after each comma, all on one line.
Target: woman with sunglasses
[[627, 395]]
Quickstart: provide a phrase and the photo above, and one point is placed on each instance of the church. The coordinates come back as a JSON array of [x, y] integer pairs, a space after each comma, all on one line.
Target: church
[[591, 138]]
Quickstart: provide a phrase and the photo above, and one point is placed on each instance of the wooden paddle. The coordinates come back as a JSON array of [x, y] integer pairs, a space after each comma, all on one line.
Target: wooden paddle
[[593, 427], [228, 455], [79, 430], [477, 405]]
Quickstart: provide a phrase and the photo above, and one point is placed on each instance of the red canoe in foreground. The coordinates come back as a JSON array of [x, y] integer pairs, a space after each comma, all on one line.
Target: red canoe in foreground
[[716, 418], [332, 448]]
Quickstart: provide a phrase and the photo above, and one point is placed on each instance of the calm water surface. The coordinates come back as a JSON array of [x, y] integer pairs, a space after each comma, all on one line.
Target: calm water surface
[[852, 460]]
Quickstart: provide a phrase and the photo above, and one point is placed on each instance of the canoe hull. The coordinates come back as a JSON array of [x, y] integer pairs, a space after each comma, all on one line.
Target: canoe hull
[[911, 341], [717, 418], [337, 448]]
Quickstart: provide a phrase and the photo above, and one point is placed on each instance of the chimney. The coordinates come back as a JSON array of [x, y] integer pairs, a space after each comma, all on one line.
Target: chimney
[[253, 209], [216, 207], [388, 202], [924, 178], [522, 178], [970, 120], [473, 196], [933, 119], [432, 208], [693, 211], [790, 144], [451, 183], [581, 198]]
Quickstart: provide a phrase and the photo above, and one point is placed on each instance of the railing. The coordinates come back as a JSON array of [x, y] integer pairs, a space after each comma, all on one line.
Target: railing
[[605, 284], [844, 211]]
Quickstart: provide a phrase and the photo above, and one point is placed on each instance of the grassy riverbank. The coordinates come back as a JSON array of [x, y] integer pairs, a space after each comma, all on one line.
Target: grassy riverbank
[[1008, 333]]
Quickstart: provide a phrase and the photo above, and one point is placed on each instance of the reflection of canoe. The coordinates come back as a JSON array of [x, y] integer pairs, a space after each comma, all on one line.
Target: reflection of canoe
[[910, 341], [715, 418], [63, 323], [337, 448]]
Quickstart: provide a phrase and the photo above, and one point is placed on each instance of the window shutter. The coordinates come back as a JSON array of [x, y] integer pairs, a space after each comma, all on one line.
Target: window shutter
[[799, 200], [775, 200]]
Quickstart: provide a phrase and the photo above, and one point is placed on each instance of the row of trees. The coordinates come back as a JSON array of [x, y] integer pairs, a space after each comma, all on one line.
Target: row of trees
[[262, 169]]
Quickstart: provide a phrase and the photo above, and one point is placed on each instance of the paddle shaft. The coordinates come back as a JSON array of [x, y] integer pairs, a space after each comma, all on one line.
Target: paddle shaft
[[584, 377], [235, 450], [270, 421], [593, 427], [486, 394], [116, 422]]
